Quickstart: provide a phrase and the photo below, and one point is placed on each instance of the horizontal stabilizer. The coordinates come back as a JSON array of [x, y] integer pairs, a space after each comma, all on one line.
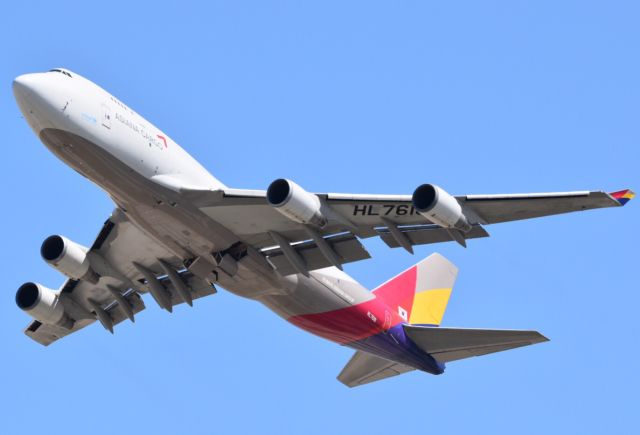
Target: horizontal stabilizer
[[364, 368], [450, 344]]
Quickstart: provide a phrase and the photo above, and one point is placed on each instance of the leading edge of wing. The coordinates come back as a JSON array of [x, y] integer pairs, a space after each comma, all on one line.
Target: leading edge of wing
[[221, 197], [215, 197], [620, 197]]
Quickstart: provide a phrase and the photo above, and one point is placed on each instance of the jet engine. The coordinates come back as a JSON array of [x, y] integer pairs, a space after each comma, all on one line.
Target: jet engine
[[69, 258], [42, 304], [440, 207], [295, 203]]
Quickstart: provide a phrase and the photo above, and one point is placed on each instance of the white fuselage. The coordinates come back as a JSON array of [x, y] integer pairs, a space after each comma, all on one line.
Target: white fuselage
[[145, 172], [79, 106]]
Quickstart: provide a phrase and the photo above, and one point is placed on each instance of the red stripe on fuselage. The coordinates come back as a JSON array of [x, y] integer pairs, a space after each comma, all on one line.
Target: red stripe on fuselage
[[360, 321]]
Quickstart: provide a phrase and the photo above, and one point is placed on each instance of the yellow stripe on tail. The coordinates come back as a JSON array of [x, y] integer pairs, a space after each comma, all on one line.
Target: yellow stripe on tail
[[429, 306], [434, 283]]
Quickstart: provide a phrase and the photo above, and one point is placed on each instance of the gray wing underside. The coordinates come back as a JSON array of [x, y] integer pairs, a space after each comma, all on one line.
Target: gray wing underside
[[370, 211], [120, 244], [247, 214], [493, 209]]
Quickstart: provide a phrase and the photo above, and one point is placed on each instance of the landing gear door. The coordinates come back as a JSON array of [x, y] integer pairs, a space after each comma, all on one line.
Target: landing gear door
[[106, 116]]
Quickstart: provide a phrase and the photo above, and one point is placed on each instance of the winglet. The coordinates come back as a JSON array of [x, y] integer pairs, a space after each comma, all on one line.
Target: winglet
[[623, 196]]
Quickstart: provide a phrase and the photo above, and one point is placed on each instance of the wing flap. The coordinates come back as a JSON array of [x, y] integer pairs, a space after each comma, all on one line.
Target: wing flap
[[197, 287], [346, 246], [364, 368], [117, 247], [76, 294], [46, 334], [451, 344], [426, 234]]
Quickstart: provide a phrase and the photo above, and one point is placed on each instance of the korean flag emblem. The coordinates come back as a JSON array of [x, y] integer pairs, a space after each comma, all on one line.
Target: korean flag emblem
[[403, 313]]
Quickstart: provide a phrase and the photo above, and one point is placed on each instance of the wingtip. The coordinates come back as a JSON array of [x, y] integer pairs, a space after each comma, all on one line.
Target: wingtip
[[623, 196], [542, 338]]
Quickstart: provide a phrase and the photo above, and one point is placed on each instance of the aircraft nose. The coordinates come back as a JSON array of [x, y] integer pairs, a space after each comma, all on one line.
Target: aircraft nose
[[25, 85], [38, 99]]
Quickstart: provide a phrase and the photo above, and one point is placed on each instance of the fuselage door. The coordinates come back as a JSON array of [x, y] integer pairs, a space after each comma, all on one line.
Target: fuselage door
[[106, 116]]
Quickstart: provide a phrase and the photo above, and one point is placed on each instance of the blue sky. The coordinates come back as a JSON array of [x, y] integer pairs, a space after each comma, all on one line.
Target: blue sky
[[372, 97]]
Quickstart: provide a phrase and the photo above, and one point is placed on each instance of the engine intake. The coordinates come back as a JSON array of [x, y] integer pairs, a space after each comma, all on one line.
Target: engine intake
[[42, 304], [295, 203], [440, 207], [68, 257]]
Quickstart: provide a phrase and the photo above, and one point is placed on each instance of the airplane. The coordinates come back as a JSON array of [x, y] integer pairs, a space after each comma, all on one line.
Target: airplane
[[177, 232]]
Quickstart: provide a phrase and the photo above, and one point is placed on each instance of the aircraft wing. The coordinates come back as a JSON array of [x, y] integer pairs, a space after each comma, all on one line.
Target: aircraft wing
[[126, 260], [493, 209], [393, 218]]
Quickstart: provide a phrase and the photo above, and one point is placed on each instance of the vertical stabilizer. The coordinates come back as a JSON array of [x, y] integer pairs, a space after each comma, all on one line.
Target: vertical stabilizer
[[421, 293]]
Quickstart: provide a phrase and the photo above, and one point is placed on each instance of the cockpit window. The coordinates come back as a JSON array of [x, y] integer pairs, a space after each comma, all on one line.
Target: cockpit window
[[66, 73]]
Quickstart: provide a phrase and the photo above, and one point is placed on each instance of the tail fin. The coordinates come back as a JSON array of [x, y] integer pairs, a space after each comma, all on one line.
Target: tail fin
[[421, 293]]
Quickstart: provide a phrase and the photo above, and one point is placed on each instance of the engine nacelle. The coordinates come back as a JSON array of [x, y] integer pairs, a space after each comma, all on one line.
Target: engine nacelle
[[42, 304], [439, 207], [69, 258], [295, 203]]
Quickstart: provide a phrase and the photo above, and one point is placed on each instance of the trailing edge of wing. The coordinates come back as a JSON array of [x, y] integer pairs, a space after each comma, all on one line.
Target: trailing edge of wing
[[117, 295], [426, 234], [346, 247]]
